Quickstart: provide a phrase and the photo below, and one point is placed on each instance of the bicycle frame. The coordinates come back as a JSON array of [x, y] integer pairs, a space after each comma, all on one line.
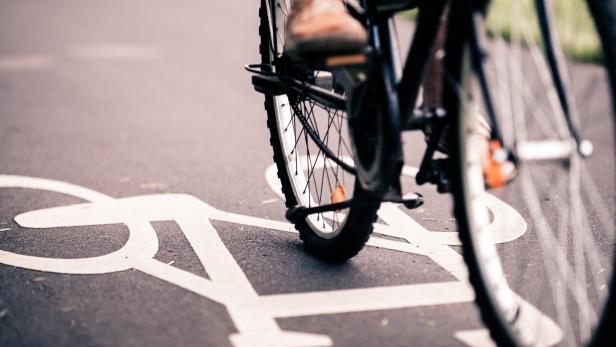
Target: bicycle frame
[[429, 22], [399, 86], [379, 22], [378, 17]]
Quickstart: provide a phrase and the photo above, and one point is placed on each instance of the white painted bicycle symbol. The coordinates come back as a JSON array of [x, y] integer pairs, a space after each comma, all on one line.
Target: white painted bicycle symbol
[[253, 315]]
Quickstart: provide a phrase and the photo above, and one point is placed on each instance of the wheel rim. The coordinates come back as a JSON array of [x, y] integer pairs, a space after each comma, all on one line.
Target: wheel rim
[[563, 264]]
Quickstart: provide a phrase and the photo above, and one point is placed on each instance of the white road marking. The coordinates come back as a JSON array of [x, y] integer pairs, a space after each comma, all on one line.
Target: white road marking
[[366, 299], [5, 229], [12, 63], [253, 315]]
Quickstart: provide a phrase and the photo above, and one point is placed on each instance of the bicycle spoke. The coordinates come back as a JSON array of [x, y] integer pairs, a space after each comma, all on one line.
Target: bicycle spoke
[[550, 245], [544, 73]]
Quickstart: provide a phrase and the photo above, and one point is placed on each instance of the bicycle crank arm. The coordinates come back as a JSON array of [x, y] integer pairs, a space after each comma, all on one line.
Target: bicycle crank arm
[[298, 212], [410, 201]]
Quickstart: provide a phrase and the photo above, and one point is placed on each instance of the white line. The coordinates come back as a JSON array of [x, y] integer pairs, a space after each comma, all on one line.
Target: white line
[[142, 241], [182, 278], [475, 338], [402, 226], [366, 299], [396, 245], [215, 257], [229, 217], [11, 181]]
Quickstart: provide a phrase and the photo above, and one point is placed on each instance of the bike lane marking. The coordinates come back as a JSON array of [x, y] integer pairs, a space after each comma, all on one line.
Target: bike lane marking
[[252, 314], [507, 225], [142, 240]]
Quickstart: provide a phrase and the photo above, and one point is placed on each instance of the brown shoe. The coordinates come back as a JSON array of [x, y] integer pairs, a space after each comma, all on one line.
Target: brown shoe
[[323, 28]]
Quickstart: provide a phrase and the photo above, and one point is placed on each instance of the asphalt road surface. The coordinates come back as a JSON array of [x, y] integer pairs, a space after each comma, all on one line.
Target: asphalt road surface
[[143, 108]]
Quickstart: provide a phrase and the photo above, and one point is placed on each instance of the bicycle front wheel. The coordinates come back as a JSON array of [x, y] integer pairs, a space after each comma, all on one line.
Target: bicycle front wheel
[[548, 280]]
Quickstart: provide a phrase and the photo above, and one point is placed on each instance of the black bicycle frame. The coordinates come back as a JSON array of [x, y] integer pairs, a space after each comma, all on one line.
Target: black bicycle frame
[[378, 16], [428, 24]]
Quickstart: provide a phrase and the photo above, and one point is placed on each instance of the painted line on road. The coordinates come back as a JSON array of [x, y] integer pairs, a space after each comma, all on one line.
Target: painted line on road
[[366, 299], [253, 315]]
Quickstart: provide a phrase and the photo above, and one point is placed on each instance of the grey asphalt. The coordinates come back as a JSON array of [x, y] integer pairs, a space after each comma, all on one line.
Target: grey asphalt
[[134, 97]]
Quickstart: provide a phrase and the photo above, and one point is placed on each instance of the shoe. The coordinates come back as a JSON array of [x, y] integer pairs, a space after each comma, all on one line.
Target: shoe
[[323, 28]]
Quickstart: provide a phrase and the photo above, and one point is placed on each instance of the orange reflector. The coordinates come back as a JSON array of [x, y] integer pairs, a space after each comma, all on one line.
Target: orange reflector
[[339, 194], [493, 171]]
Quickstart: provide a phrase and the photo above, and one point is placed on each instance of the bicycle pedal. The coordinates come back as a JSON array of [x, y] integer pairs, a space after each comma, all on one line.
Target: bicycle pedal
[[412, 201]]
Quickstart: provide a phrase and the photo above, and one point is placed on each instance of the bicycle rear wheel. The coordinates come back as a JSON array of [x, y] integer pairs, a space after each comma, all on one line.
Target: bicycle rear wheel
[[551, 283], [307, 175]]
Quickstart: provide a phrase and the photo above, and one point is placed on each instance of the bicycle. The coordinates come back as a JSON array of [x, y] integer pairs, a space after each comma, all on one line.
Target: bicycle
[[336, 124]]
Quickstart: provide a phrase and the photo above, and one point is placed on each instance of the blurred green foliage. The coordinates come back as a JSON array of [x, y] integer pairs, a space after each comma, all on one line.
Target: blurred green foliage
[[575, 28]]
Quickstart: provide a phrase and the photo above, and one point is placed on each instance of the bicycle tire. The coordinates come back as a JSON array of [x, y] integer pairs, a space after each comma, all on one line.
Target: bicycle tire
[[348, 237], [494, 270]]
